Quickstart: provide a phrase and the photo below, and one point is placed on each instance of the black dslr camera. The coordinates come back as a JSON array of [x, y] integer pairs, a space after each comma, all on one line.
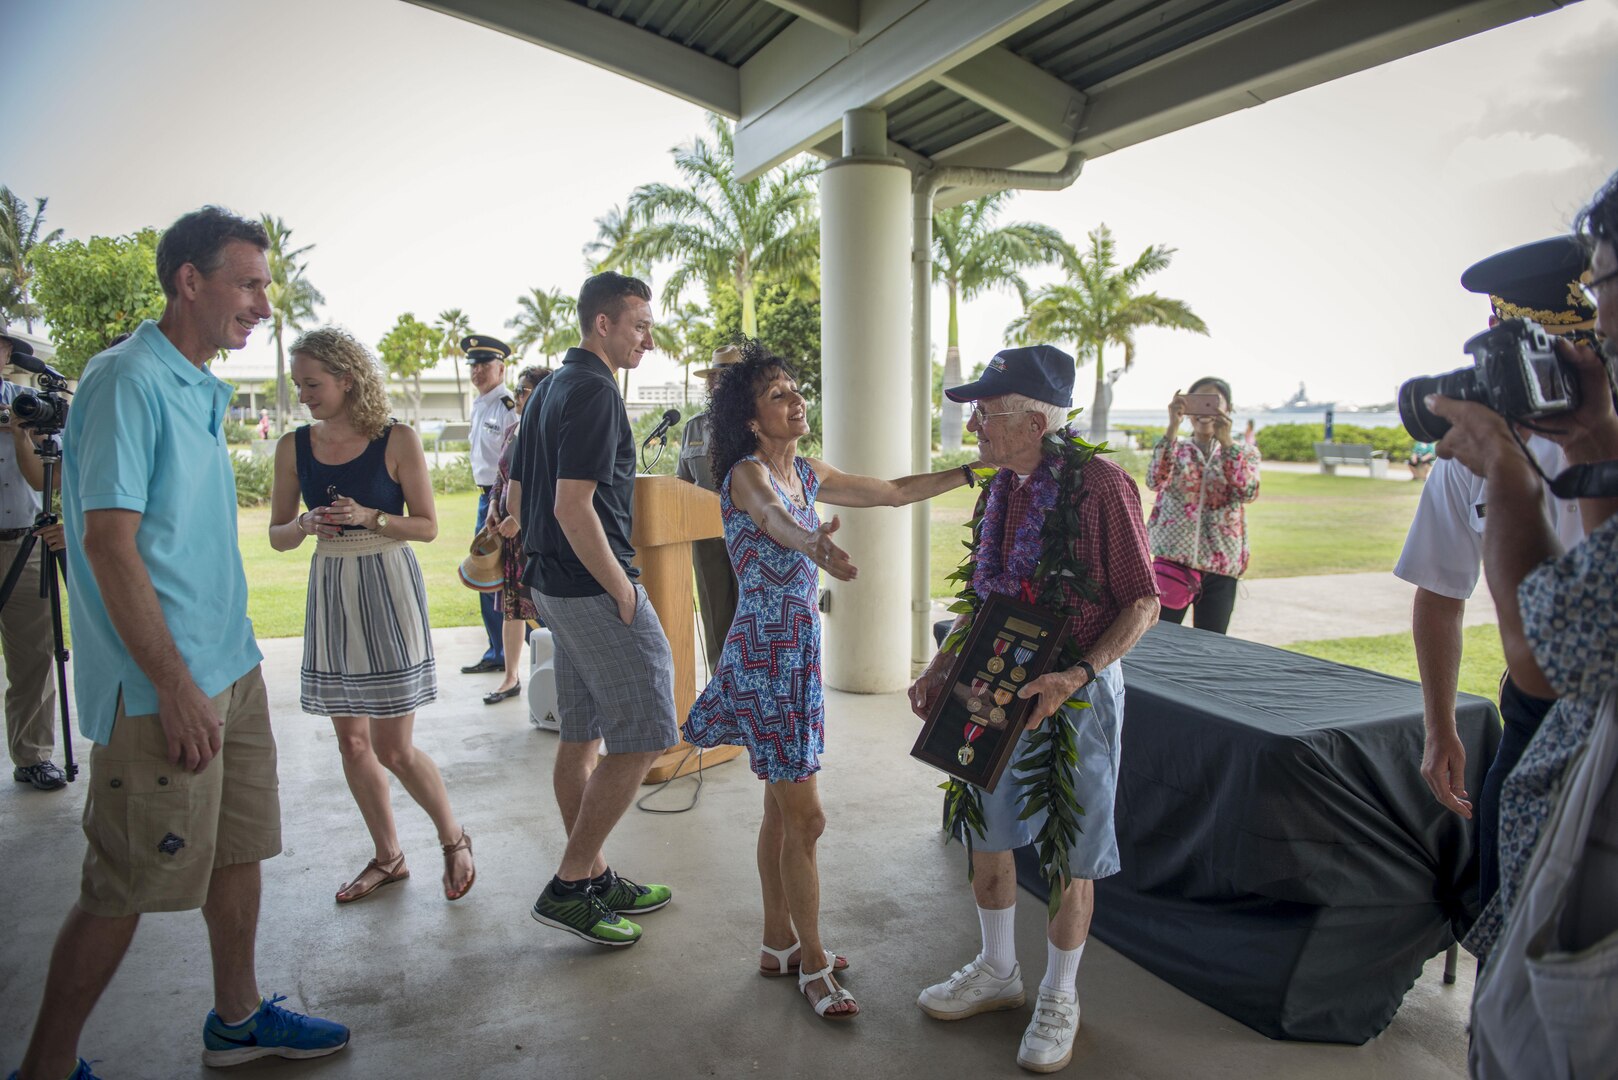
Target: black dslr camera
[[1516, 373], [44, 411]]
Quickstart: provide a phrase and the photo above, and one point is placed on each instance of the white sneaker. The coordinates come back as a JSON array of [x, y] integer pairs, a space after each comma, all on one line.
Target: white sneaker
[[1047, 1045], [973, 989]]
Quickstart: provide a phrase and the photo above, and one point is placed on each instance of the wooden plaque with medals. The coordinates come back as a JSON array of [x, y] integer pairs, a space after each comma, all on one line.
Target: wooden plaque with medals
[[974, 725]]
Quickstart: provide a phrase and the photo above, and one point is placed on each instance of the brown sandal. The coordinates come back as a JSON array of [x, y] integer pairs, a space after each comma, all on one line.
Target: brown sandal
[[463, 844], [392, 870]]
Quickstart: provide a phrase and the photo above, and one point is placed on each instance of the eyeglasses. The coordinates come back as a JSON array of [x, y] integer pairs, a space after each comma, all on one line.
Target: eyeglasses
[[1592, 288], [980, 416]]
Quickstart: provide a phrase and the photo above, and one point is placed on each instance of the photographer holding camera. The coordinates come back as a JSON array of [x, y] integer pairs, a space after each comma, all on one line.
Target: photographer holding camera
[[1558, 623], [25, 620], [1443, 553]]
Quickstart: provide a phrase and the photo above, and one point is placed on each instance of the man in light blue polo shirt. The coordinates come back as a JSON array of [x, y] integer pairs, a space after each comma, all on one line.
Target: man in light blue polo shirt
[[183, 802]]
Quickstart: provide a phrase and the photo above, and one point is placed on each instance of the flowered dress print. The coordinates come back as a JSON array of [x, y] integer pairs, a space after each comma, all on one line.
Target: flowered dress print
[[1199, 519], [1570, 615], [766, 693]]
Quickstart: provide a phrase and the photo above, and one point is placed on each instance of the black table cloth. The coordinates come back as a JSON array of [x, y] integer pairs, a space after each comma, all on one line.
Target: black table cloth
[[1283, 861]]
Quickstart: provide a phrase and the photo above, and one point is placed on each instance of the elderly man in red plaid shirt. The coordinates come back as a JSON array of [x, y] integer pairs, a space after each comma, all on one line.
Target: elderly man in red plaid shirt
[[1023, 394]]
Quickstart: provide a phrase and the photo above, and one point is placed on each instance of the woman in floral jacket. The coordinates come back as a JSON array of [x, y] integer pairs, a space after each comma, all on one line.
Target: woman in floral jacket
[[1198, 528]]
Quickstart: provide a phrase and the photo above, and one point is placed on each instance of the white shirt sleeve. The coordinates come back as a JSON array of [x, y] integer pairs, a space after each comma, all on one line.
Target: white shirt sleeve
[[1443, 552]]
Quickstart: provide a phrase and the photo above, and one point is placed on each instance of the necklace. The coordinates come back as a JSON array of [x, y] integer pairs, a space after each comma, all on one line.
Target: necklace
[[785, 482]]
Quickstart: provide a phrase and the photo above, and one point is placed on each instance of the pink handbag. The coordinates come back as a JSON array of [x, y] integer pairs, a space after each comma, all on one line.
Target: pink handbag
[[1178, 586]]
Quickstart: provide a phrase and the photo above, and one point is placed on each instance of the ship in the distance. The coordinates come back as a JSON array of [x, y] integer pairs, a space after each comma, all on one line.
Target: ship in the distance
[[1300, 403]]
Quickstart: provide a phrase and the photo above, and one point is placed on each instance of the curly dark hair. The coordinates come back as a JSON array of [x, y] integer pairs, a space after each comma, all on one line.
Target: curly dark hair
[[1598, 221], [733, 402]]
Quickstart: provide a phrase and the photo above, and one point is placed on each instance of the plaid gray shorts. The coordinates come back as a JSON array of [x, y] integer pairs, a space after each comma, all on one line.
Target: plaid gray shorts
[[613, 682]]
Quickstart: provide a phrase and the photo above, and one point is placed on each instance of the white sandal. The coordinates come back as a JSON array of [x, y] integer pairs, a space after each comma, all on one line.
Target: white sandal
[[838, 995], [784, 966]]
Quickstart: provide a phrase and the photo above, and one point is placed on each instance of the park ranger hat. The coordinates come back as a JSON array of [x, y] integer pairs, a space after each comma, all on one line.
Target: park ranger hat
[[723, 357], [19, 347], [1538, 281], [480, 348], [1042, 372]]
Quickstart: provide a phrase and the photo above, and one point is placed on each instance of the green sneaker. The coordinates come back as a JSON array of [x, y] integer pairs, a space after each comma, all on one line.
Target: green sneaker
[[621, 894], [584, 916]]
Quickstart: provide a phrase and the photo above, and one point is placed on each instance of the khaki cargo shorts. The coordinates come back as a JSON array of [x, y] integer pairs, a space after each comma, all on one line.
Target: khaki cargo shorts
[[158, 831]]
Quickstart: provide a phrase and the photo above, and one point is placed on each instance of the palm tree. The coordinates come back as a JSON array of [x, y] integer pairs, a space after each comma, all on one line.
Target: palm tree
[[1098, 306], [19, 238], [292, 303], [677, 335], [608, 251], [719, 229], [970, 256], [546, 319], [452, 326]]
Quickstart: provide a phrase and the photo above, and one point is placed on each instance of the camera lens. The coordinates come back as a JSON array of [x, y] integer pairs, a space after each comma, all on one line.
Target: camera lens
[[1425, 425]]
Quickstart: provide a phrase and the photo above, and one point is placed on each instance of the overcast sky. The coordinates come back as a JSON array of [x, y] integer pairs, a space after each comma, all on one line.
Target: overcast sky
[[435, 164]]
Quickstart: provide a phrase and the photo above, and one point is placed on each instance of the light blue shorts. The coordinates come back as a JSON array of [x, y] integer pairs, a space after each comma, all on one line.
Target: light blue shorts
[[1095, 784]]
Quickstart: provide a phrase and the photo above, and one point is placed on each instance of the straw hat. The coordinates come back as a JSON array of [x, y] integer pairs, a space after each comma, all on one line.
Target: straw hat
[[723, 357], [484, 569]]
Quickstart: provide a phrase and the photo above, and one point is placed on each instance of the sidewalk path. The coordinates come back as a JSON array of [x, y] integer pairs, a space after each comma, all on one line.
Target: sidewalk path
[[1280, 611]]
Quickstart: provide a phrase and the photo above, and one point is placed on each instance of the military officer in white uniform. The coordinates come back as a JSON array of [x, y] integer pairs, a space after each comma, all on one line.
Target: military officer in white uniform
[[1444, 549], [493, 414]]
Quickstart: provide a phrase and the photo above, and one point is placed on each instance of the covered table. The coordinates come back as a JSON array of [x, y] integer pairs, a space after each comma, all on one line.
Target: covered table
[[1283, 861]]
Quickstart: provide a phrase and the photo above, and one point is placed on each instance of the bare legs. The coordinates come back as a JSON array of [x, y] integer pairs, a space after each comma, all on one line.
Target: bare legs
[[373, 748], [994, 884], [511, 635], [790, 879], [592, 793], [89, 949]]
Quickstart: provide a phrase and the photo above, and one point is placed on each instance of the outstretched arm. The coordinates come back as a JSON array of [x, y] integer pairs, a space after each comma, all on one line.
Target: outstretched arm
[[851, 489], [750, 489]]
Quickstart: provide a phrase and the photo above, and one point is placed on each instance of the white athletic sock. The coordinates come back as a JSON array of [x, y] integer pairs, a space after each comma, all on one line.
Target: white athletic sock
[[1061, 968], [999, 939]]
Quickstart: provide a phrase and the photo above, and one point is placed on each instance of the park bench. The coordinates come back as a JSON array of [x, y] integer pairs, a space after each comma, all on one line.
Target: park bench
[[1331, 455]]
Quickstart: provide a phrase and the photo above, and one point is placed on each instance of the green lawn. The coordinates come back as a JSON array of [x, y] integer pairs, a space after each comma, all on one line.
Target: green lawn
[[276, 580], [1482, 659], [1300, 524]]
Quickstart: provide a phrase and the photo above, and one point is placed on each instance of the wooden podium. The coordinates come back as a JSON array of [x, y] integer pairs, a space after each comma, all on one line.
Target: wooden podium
[[669, 514]]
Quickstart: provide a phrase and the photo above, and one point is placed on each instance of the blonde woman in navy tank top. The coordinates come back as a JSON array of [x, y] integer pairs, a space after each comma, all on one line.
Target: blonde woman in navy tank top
[[368, 653]]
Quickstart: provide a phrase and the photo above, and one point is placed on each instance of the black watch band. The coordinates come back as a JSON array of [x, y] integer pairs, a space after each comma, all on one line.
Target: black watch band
[[966, 471], [1089, 671]]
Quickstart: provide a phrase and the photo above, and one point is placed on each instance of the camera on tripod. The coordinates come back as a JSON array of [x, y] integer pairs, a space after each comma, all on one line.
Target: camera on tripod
[[1516, 374], [44, 411]]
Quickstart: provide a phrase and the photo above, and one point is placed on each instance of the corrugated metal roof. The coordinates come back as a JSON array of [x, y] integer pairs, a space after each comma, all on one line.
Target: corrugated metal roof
[[727, 30]]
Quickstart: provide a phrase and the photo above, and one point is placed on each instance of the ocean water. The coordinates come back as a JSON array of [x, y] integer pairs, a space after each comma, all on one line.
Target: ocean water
[[1159, 418]]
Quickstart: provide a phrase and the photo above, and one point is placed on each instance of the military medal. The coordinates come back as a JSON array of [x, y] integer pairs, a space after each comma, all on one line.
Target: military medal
[[965, 754], [997, 662], [975, 704], [1023, 653]]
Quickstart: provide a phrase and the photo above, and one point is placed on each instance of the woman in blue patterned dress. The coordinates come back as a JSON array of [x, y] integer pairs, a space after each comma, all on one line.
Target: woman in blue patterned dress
[[766, 693]]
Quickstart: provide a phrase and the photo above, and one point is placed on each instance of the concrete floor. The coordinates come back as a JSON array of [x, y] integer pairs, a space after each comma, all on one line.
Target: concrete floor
[[477, 989]]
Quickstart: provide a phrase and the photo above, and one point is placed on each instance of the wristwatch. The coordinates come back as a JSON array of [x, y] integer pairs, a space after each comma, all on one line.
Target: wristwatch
[[1089, 671], [381, 521]]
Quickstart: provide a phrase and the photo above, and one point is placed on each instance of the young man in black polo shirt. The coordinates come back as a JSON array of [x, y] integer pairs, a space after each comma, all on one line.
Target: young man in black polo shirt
[[575, 462]]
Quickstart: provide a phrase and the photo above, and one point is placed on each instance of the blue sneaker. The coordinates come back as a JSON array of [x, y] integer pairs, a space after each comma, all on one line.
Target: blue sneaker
[[270, 1032], [81, 1073]]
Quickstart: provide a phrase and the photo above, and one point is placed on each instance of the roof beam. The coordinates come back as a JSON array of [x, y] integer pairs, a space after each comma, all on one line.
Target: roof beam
[[605, 42], [1289, 49], [1025, 94], [838, 16], [918, 43]]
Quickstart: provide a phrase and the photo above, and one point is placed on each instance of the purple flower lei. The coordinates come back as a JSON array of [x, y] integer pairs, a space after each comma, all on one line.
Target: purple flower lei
[[994, 569]]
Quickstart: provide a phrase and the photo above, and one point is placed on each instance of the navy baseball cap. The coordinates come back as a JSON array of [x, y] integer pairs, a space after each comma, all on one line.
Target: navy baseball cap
[[1042, 372]]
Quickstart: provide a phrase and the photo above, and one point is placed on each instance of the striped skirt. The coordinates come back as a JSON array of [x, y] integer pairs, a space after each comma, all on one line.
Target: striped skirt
[[367, 649]]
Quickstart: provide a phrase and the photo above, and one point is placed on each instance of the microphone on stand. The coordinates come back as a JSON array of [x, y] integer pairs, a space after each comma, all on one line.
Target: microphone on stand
[[660, 432]]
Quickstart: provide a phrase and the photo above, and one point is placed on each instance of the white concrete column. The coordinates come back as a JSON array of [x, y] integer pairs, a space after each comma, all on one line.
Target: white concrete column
[[866, 392]]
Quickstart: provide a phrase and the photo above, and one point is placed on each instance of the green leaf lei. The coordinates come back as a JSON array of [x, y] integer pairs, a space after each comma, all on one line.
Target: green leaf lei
[[1044, 786]]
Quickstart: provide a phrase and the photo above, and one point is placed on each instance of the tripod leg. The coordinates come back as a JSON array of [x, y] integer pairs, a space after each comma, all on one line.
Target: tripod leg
[[54, 569], [17, 566]]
